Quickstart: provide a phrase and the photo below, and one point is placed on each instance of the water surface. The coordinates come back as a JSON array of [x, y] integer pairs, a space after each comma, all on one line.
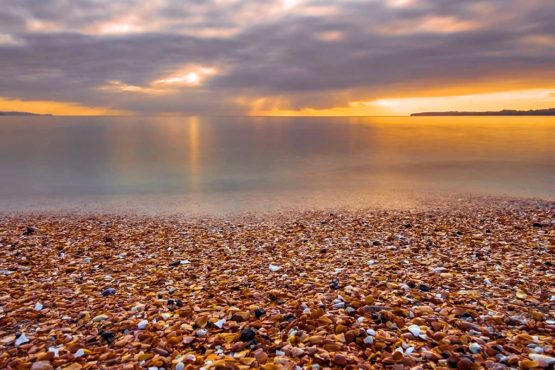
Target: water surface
[[176, 164]]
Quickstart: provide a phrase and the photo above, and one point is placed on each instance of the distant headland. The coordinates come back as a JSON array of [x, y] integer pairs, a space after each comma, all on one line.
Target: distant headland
[[4, 113], [505, 112]]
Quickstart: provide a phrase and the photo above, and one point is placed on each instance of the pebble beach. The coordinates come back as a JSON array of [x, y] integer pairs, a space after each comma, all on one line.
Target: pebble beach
[[467, 287]]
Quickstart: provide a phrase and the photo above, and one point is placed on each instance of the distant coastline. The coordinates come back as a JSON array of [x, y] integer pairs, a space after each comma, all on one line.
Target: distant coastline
[[505, 112], [21, 114]]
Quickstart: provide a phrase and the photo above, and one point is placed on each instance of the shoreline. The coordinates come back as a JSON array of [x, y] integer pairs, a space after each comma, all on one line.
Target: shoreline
[[465, 286], [184, 208]]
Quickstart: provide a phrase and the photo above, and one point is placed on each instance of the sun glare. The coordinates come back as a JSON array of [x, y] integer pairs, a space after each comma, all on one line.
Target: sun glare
[[191, 76]]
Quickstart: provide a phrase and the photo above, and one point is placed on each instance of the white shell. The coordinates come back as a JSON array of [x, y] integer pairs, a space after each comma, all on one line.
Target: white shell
[[415, 330]]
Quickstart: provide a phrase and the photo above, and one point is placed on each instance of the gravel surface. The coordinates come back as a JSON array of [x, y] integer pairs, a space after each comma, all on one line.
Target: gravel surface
[[464, 287]]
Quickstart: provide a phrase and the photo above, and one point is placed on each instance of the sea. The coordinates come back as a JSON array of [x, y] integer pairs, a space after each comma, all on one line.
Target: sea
[[220, 165]]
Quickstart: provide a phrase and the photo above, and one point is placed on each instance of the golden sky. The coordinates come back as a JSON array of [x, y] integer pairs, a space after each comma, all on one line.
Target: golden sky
[[277, 57]]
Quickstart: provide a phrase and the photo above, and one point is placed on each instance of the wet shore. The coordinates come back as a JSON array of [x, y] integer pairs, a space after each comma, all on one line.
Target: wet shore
[[466, 286]]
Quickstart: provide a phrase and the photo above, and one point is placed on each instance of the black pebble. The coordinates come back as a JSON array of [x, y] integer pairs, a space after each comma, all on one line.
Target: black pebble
[[424, 287], [289, 317], [376, 243], [334, 284], [108, 291], [247, 335], [537, 224], [108, 336], [179, 303], [30, 230], [259, 312]]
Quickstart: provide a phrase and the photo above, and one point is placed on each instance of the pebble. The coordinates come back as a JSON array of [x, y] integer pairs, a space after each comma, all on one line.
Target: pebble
[[108, 336], [475, 347], [274, 268], [465, 364], [340, 359], [369, 339], [41, 365], [247, 335], [138, 308], [38, 307], [259, 312], [331, 310], [220, 323], [415, 330], [100, 318], [543, 360], [108, 291], [142, 324], [22, 339]]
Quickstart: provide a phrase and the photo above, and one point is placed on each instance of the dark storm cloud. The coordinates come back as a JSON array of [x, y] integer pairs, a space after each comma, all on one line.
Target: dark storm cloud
[[314, 53]]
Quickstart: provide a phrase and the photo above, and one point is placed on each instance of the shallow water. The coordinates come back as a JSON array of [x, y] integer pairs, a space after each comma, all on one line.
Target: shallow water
[[228, 164]]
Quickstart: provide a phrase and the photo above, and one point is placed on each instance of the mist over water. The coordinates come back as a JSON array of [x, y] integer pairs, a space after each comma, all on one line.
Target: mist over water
[[229, 164]]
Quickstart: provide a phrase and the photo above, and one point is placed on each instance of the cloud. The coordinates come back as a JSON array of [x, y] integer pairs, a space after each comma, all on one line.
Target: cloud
[[9, 40], [223, 56]]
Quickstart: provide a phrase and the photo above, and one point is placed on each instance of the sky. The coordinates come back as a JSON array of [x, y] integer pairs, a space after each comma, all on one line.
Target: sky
[[275, 57]]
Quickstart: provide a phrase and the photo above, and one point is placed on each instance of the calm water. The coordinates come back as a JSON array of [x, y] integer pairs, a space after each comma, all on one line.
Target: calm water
[[235, 164]]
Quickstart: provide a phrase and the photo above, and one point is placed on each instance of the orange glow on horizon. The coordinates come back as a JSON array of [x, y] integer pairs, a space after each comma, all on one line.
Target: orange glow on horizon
[[56, 108], [403, 106], [392, 105]]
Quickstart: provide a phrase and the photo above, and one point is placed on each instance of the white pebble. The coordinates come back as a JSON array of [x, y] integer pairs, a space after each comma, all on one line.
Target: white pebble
[[142, 324], [80, 352], [280, 353], [274, 268], [184, 262], [180, 366], [220, 323], [21, 340], [38, 306], [543, 360], [371, 332], [138, 307], [55, 351], [369, 339], [415, 330], [474, 347], [339, 305]]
